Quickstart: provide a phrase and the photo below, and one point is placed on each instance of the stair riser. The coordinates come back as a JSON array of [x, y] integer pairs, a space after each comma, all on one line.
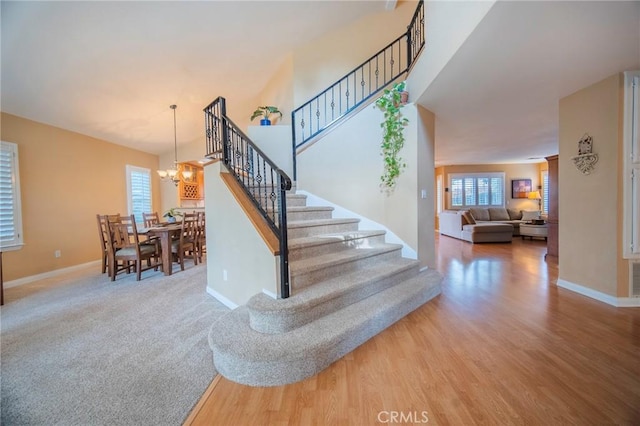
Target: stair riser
[[296, 201], [308, 231], [284, 367], [281, 322], [299, 281], [308, 215], [337, 246]]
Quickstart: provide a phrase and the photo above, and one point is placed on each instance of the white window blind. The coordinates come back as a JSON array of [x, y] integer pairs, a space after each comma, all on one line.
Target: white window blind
[[545, 192], [139, 191], [471, 190], [10, 207]]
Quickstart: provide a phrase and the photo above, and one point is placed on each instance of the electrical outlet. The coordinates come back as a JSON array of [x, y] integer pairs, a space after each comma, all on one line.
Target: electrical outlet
[[57, 253]]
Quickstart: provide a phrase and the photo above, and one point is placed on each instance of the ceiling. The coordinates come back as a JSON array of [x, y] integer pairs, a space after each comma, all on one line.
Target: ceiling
[[497, 99], [111, 69]]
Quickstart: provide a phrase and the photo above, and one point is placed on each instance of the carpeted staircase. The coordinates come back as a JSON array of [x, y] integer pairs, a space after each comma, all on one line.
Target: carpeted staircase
[[347, 286]]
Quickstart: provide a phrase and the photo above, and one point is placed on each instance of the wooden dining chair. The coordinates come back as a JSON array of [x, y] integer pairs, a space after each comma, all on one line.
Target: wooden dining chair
[[150, 219], [201, 239], [185, 245], [127, 251], [103, 230]]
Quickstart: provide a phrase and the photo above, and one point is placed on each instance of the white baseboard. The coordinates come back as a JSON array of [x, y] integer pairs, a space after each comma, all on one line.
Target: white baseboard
[[620, 302], [50, 274], [220, 298]]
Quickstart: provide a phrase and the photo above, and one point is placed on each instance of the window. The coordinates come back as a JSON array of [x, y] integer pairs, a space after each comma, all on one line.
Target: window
[[477, 189], [10, 207], [138, 191], [545, 192]]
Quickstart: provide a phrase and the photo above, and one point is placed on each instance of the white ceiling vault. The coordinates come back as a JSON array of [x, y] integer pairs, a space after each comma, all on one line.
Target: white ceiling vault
[[111, 69]]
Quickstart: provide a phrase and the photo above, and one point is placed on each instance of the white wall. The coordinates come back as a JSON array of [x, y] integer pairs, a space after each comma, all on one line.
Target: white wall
[[447, 26], [345, 167], [234, 246]]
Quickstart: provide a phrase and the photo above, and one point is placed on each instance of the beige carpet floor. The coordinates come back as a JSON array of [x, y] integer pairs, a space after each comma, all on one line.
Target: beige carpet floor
[[88, 351]]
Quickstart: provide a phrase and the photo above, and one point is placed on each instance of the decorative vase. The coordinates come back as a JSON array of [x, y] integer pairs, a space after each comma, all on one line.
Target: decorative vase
[[171, 219], [265, 122]]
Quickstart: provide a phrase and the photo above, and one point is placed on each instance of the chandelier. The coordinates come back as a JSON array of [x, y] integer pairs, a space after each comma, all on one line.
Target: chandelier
[[172, 173]]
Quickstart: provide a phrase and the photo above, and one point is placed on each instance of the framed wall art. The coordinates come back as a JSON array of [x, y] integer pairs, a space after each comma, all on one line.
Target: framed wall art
[[520, 188]]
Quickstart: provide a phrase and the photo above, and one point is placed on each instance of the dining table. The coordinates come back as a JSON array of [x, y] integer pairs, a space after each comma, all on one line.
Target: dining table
[[165, 233]]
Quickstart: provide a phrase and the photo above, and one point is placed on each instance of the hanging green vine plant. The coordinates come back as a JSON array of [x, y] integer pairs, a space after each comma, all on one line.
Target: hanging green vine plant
[[391, 103]]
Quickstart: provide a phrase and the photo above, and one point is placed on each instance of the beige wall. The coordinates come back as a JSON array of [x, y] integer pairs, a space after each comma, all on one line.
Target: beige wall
[[512, 171], [66, 179], [589, 231], [320, 63], [279, 92]]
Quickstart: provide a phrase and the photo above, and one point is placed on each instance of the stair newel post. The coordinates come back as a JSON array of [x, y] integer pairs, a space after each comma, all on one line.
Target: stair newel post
[[409, 53], [284, 185]]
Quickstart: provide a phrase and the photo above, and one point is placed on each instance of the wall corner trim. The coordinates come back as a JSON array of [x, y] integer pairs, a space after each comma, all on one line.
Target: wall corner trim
[[619, 302]]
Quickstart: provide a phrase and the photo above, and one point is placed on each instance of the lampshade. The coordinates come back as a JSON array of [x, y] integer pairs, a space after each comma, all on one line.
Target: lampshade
[[534, 195]]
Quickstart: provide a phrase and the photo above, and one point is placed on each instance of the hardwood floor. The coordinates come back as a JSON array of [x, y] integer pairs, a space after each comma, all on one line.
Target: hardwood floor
[[502, 345]]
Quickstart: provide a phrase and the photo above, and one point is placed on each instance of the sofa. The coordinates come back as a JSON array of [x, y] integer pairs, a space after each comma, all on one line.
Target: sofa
[[484, 225]]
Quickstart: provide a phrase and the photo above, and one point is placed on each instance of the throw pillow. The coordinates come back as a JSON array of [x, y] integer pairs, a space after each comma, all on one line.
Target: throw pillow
[[514, 214], [469, 218], [480, 214], [530, 214], [498, 213]]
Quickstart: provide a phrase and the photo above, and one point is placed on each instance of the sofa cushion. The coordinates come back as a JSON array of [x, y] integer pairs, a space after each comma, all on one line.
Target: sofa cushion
[[482, 228], [514, 214], [468, 217], [530, 214], [498, 213], [480, 214]]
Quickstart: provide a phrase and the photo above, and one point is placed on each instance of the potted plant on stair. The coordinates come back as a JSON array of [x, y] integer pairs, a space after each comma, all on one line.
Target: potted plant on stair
[[391, 103], [265, 112]]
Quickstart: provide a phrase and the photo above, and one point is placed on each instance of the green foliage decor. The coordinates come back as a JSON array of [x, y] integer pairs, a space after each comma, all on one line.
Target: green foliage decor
[[265, 112], [392, 134], [172, 212]]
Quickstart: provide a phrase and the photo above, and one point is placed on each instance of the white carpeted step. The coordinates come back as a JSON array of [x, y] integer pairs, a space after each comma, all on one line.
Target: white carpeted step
[[298, 213], [306, 228], [301, 248], [269, 315], [246, 356], [309, 271], [294, 199]]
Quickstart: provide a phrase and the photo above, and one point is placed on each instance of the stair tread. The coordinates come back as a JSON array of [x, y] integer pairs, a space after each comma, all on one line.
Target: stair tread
[[319, 222], [315, 263], [331, 288], [263, 359], [308, 208], [316, 240]]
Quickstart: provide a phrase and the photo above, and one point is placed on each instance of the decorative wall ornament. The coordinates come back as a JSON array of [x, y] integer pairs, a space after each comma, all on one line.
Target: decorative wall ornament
[[586, 159]]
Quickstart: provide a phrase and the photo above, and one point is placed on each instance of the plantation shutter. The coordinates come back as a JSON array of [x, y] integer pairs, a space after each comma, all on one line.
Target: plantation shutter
[[545, 192], [139, 188], [10, 208]]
